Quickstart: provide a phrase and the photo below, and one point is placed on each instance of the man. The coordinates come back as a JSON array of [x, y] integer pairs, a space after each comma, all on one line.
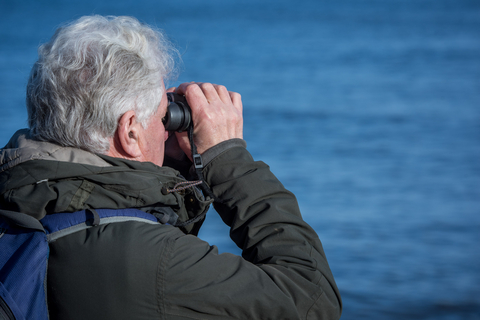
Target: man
[[96, 102]]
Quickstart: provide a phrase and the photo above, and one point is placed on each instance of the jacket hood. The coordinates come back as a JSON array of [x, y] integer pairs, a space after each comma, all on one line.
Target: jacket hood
[[22, 148], [40, 178]]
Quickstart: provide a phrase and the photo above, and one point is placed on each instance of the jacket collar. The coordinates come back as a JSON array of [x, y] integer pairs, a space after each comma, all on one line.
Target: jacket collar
[[22, 148]]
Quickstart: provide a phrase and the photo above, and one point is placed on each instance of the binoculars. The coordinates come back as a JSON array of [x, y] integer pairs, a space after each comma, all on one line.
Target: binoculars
[[179, 114]]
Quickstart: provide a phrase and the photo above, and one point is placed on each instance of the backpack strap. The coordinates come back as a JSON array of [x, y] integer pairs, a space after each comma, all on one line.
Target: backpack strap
[[61, 224], [70, 222]]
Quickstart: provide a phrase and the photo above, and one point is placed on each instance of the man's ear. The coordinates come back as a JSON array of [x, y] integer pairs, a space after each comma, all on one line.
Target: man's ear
[[127, 135]]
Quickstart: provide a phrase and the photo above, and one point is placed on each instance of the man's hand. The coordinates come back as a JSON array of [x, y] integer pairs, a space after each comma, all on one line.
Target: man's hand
[[216, 112]]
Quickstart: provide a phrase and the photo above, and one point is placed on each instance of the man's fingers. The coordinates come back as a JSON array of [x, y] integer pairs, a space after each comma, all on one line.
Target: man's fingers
[[212, 92], [223, 94], [236, 99]]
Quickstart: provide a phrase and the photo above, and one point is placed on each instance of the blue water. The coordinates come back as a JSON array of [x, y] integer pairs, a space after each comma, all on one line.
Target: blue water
[[368, 110]]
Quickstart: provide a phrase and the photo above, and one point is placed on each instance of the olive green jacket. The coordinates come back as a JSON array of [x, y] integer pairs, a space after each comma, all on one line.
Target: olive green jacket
[[135, 270]]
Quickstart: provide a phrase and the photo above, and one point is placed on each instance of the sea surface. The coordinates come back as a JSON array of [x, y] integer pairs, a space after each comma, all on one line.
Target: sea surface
[[368, 110]]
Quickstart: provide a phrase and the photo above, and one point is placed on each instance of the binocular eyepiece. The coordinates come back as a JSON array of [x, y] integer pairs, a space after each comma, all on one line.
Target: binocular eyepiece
[[179, 114]]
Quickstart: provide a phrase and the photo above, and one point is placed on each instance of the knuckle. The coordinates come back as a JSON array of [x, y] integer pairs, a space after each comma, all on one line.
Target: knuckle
[[235, 95], [222, 88], [206, 86], [191, 87]]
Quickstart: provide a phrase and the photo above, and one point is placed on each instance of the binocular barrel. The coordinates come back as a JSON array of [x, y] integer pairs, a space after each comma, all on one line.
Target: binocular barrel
[[179, 114]]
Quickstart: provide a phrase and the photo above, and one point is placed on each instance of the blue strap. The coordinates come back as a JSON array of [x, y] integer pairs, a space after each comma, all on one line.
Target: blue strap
[[61, 224]]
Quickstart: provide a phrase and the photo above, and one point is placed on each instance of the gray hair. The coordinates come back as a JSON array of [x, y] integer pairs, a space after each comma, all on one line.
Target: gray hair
[[90, 73]]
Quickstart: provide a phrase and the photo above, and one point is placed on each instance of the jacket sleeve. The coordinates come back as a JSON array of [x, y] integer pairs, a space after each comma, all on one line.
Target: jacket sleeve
[[283, 272]]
